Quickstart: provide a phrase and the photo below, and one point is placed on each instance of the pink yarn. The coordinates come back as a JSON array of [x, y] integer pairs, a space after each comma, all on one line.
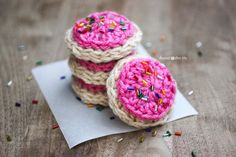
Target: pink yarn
[[96, 67], [103, 30], [90, 87], [141, 75]]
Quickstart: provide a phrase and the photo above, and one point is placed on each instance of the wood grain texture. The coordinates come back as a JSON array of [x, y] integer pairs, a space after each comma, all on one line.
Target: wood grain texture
[[40, 26]]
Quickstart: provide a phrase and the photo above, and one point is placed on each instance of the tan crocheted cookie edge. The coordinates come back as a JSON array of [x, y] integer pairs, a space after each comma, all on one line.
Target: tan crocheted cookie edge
[[117, 107], [89, 97], [99, 56], [90, 77]]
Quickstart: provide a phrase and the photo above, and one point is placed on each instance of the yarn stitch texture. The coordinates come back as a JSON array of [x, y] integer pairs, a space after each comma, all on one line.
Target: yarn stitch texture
[[126, 79], [99, 98], [102, 30], [100, 56]]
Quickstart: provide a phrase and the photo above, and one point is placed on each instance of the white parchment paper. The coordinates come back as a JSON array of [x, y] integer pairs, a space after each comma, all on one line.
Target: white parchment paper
[[79, 123]]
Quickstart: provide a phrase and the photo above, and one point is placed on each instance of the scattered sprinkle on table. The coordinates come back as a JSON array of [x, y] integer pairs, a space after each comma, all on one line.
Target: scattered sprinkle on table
[[100, 108], [39, 63], [154, 52], [9, 83], [112, 118], [148, 44], [190, 92], [199, 53], [198, 44], [90, 105], [193, 153], [167, 134], [178, 133], [62, 77], [17, 104], [154, 133], [8, 138], [55, 126], [141, 139], [162, 38], [34, 102], [78, 98], [119, 140], [148, 129], [29, 78], [25, 58]]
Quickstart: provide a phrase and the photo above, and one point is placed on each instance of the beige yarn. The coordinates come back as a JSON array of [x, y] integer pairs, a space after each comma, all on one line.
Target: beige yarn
[[99, 56], [90, 77], [117, 107], [89, 97]]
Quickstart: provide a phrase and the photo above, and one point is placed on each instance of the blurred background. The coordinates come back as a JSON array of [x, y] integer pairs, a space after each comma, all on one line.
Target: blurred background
[[195, 39]]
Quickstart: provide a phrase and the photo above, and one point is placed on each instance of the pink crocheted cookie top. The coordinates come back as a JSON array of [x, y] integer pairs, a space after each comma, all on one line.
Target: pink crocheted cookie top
[[146, 89], [96, 67], [90, 87], [103, 30]]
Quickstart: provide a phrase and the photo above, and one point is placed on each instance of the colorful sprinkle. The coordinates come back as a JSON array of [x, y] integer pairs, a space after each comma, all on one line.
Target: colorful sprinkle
[[154, 133], [123, 28], [163, 91], [39, 63], [62, 77], [178, 133], [145, 98], [112, 118], [159, 77], [190, 92], [141, 139], [90, 105], [160, 101], [101, 17], [100, 108], [55, 126], [17, 104], [122, 23], [162, 38], [167, 134], [157, 95], [148, 129], [155, 53], [8, 138], [152, 88], [34, 101], [9, 83], [119, 140], [130, 88], [78, 98], [29, 78], [193, 153], [144, 82], [144, 63], [198, 44]]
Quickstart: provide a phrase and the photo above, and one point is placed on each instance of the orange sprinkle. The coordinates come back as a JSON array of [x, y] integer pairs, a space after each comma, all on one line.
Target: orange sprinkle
[[160, 101], [162, 38], [144, 63], [54, 126], [178, 133], [113, 23], [144, 82], [155, 53], [155, 73], [163, 91]]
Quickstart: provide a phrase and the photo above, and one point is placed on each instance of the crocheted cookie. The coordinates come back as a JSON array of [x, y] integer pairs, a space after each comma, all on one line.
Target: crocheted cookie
[[141, 91], [89, 93], [103, 37]]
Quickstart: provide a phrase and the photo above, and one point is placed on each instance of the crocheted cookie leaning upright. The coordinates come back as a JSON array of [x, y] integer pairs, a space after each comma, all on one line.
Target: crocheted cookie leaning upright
[[141, 91], [97, 42]]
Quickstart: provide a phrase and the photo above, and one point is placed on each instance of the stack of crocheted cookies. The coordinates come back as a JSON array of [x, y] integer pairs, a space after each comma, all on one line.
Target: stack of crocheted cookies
[[97, 42]]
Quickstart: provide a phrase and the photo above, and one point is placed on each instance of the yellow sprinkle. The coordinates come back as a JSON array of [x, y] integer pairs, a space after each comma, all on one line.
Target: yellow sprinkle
[[148, 73], [114, 23], [160, 101], [29, 78], [154, 133], [90, 105], [81, 24], [141, 139], [144, 82]]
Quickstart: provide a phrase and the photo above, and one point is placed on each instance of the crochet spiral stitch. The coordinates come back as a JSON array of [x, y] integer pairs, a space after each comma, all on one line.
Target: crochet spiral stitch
[[141, 91]]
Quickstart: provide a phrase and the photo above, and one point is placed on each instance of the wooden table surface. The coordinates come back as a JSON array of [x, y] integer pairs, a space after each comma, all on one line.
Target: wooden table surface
[[36, 29]]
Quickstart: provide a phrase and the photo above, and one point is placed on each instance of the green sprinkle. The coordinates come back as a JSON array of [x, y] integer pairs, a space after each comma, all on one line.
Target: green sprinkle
[[122, 23], [100, 108], [101, 17], [193, 153], [152, 88], [123, 28], [8, 138], [39, 62]]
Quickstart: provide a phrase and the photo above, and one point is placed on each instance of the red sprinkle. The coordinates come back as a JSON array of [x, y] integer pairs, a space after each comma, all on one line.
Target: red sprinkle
[[35, 101], [54, 126], [178, 133]]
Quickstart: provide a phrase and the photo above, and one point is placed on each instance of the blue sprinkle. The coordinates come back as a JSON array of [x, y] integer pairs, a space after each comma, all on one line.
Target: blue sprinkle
[[130, 88], [148, 129], [62, 77], [157, 95]]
